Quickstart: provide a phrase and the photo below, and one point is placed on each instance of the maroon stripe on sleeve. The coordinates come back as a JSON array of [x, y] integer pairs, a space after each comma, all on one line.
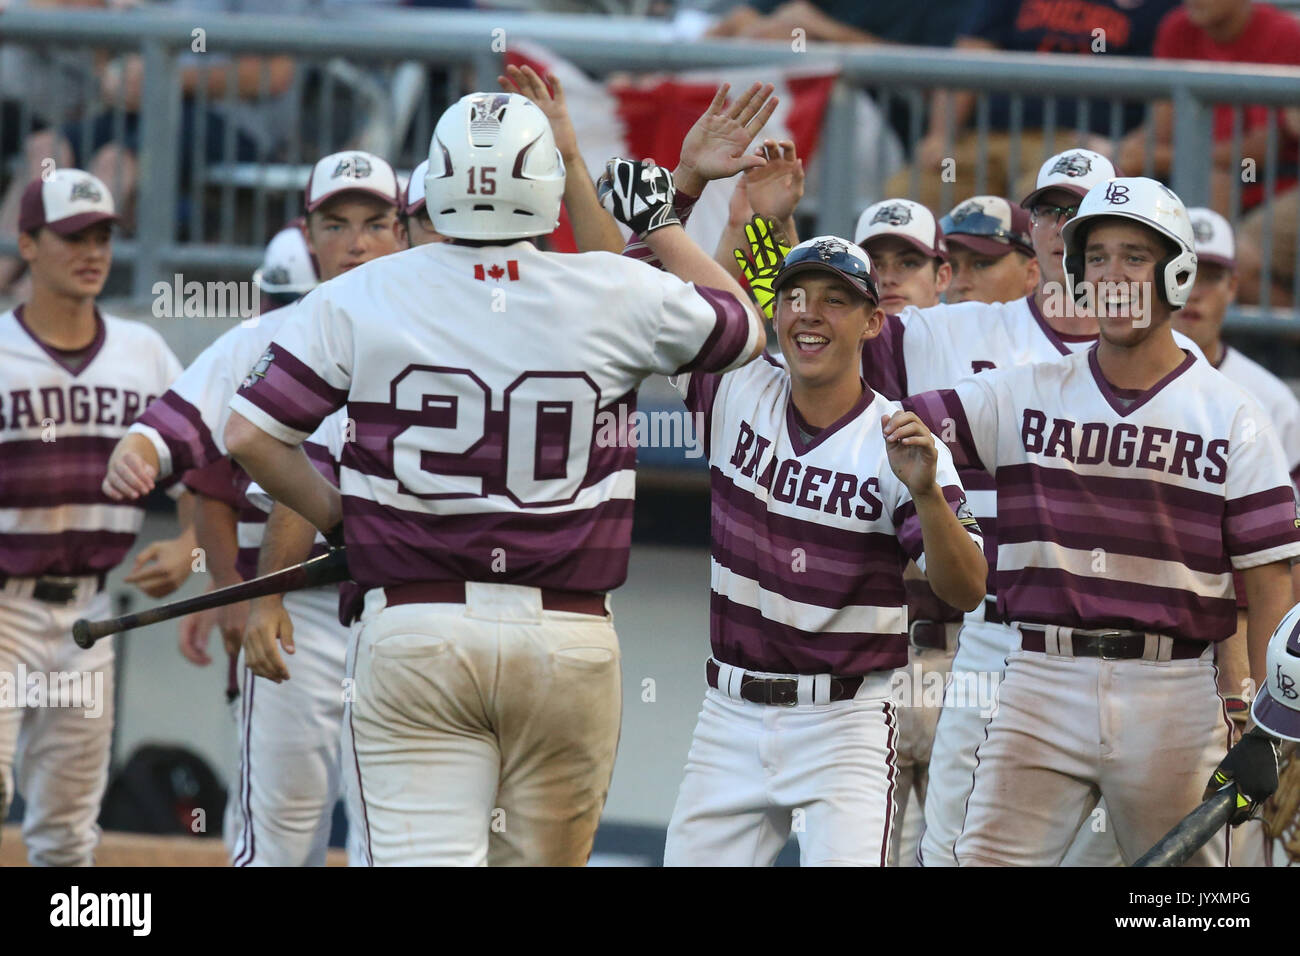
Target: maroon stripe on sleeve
[[936, 409], [882, 360], [182, 428], [292, 393], [701, 392], [216, 480], [744, 638], [729, 335], [1259, 522], [908, 522]]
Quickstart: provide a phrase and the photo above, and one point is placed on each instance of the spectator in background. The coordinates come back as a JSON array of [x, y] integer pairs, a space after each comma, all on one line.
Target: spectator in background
[[258, 124], [932, 23], [1029, 26], [1281, 217], [1223, 31]]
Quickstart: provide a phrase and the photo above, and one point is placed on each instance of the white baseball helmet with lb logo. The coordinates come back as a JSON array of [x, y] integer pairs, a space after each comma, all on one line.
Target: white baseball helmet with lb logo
[[1152, 204], [1277, 705], [494, 171]]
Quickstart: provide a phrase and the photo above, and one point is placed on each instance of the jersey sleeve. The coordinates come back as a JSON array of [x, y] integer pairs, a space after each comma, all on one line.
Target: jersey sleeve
[[305, 373], [184, 423], [215, 480], [883, 364], [683, 205], [1261, 515], [964, 418], [908, 524]]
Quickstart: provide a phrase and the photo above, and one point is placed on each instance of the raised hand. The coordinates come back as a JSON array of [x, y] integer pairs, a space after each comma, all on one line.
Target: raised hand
[[549, 96], [638, 194], [776, 187], [715, 147], [761, 262], [912, 452]]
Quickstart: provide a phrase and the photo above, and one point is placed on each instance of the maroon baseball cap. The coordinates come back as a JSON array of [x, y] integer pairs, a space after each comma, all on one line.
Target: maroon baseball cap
[[988, 225], [67, 201]]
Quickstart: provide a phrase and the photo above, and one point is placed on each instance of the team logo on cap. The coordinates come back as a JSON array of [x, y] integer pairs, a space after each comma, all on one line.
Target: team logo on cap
[[1073, 165], [87, 190], [352, 167], [259, 370], [276, 275], [1203, 230], [967, 209], [1116, 194], [486, 114], [828, 249], [896, 214]]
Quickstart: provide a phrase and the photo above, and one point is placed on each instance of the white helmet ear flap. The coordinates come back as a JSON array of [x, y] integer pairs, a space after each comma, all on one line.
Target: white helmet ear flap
[[1178, 275]]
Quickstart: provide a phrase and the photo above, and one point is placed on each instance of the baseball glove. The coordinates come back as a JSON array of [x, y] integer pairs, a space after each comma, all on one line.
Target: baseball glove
[[762, 261], [1281, 814], [638, 194]]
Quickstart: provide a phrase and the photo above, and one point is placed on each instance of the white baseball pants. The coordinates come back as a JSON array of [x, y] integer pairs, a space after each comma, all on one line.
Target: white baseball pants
[[290, 743], [1145, 735], [756, 772], [483, 732], [56, 722], [918, 719]]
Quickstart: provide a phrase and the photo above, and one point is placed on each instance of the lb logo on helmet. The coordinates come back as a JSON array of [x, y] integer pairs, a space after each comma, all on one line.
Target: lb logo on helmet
[[1072, 164], [352, 167], [1116, 194], [896, 214]]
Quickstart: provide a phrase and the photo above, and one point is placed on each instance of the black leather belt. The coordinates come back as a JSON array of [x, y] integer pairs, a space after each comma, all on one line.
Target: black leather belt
[[783, 691], [1109, 645], [931, 635], [58, 590], [453, 592]]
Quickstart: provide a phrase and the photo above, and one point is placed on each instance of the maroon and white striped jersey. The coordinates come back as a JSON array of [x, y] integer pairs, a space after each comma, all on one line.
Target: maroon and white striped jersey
[[60, 417], [476, 401], [187, 423], [809, 534], [1276, 398], [1121, 509]]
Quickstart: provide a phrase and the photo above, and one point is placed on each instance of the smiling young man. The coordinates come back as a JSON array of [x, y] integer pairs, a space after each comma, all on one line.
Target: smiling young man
[[989, 250], [74, 379], [1132, 479], [290, 776], [907, 251], [814, 514]]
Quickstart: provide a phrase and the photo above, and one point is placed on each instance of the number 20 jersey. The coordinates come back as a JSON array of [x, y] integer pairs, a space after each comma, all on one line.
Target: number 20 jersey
[[483, 387]]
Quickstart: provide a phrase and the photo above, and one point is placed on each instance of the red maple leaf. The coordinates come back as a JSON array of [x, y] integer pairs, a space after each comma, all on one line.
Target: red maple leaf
[[496, 272]]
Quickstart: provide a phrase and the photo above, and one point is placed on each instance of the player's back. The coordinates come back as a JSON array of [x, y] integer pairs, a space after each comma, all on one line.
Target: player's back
[[484, 394]]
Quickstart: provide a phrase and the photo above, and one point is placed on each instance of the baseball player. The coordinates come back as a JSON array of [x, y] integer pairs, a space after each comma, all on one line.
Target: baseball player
[[1111, 690], [288, 270], [990, 251], [908, 251], [923, 349], [814, 514], [483, 518], [290, 734], [74, 379]]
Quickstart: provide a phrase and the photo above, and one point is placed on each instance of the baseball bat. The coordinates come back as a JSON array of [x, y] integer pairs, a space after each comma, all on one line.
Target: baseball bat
[[1193, 831], [326, 569]]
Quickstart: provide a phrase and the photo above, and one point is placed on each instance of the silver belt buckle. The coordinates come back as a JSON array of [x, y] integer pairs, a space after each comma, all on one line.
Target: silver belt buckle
[[1102, 636]]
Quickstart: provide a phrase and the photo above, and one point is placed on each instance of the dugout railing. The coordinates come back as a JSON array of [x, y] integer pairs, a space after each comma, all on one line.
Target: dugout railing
[[376, 79]]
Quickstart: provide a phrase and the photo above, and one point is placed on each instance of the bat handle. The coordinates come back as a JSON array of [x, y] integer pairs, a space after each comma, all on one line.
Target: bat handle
[[81, 634]]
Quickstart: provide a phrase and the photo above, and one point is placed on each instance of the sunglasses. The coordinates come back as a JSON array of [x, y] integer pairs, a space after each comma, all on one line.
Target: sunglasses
[[982, 224], [836, 256]]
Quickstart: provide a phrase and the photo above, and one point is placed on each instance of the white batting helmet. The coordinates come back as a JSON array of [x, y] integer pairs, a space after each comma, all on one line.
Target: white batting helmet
[[287, 266], [1277, 705], [1155, 206], [494, 171]]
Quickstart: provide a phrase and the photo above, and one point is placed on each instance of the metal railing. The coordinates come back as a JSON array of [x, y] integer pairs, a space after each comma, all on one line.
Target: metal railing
[[342, 62]]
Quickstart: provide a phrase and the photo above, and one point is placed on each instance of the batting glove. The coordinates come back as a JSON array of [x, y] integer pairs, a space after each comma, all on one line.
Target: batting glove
[[1252, 766], [765, 254], [638, 194]]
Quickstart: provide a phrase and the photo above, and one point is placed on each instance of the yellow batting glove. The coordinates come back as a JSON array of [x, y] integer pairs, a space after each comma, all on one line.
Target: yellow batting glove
[[762, 261]]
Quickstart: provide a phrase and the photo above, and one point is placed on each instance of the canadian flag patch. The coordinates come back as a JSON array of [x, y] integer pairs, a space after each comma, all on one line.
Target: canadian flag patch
[[495, 272]]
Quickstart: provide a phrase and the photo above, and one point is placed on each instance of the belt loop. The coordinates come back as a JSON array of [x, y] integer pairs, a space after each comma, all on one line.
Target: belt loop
[[729, 679], [1057, 640], [1164, 646], [805, 691], [822, 689]]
